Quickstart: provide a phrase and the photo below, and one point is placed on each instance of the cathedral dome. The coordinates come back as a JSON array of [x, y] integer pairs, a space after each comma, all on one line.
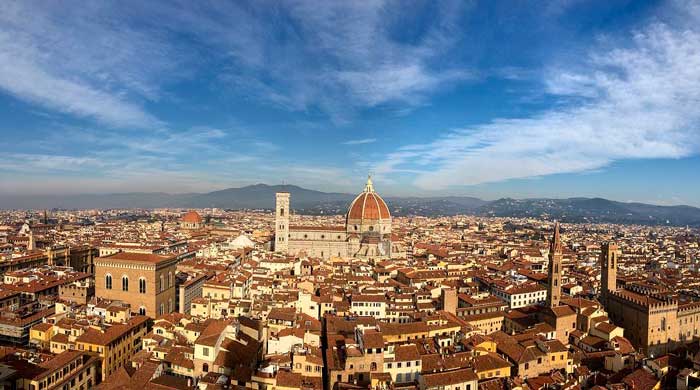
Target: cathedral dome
[[369, 212], [192, 217]]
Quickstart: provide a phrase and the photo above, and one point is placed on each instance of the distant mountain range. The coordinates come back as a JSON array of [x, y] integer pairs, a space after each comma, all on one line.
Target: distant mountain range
[[305, 201]]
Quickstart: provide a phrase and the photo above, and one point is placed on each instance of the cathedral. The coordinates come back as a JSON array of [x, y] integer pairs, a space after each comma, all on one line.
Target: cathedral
[[366, 233]]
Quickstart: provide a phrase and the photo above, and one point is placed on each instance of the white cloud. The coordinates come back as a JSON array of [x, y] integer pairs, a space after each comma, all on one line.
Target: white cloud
[[362, 141], [43, 162], [334, 56], [635, 101], [84, 61], [104, 61]]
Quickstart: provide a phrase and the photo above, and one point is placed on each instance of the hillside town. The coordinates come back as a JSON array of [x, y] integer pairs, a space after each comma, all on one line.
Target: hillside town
[[215, 299]]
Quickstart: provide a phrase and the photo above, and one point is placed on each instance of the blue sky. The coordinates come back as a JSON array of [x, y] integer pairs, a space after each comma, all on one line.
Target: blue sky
[[490, 99]]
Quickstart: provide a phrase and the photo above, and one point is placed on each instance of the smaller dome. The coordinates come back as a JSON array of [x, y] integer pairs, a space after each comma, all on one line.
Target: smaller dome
[[192, 217]]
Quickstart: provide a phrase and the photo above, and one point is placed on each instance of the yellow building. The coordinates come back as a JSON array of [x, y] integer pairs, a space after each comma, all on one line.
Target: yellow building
[[70, 370], [116, 344], [41, 334], [491, 365]]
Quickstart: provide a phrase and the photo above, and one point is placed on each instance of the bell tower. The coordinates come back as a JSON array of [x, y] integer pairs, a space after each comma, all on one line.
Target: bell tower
[[555, 257], [282, 222], [608, 268]]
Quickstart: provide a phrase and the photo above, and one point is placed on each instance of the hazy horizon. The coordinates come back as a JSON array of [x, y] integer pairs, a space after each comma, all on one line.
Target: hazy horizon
[[433, 98], [386, 195]]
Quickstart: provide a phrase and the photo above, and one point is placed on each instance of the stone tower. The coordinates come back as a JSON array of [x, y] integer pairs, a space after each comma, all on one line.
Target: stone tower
[[608, 268], [554, 280], [282, 222], [31, 245], [449, 300]]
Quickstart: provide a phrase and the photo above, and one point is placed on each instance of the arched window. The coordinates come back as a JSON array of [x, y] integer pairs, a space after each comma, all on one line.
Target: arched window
[[373, 366], [162, 309], [170, 279], [282, 212], [161, 287], [205, 367], [108, 282], [125, 283], [142, 311], [142, 285]]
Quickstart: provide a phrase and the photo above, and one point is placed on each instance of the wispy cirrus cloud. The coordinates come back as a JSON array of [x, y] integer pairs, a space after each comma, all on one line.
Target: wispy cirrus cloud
[[83, 61], [631, 101], [362, 141], [333, 56], [105, 63]]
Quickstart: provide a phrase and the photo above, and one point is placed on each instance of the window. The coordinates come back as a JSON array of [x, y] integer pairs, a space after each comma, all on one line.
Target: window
[[205, 367], [170, 279], [282, 212], [162, 283], [125, 283], [142, 285], [108, 282], [205, 351], [142, 311]]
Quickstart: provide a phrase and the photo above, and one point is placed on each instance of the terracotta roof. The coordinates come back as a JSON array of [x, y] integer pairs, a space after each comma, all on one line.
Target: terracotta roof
[[447, 378], [368, 206], [138, 257], [489, 361], [113, 332], [192, 217]]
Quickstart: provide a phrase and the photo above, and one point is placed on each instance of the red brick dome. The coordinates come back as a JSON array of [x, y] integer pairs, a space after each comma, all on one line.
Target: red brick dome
[[368, 206], [192, 217]]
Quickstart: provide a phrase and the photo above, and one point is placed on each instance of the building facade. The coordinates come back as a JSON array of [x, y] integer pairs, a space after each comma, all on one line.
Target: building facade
[[144, 281]]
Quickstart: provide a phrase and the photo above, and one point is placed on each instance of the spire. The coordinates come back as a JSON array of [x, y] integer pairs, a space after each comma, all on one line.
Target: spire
[[556, 240], [369, 187]]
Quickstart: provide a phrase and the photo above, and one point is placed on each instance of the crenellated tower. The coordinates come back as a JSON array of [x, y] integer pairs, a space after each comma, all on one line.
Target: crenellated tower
[[608, 269]]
